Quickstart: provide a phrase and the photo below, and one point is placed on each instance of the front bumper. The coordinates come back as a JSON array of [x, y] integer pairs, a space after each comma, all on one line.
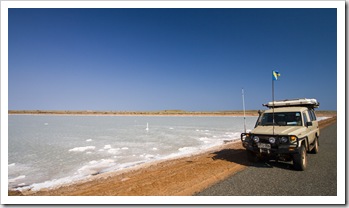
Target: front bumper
[[265, 147], [271, 151]]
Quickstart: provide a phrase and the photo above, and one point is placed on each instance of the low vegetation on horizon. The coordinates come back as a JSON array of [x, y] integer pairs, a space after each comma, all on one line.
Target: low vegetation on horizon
[[162, 112]]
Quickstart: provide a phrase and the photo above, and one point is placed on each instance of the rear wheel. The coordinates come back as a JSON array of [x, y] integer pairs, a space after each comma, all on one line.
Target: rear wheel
[[300, 160]]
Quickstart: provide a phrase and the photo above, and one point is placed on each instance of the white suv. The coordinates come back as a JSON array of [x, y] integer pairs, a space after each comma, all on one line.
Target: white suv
[[286, 131]]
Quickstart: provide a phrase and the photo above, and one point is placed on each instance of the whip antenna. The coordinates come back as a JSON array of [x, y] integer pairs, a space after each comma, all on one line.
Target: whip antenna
[[243, 105]]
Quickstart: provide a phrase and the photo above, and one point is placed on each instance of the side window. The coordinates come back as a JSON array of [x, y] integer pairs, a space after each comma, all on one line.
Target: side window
[[305, 117], [312, 115]]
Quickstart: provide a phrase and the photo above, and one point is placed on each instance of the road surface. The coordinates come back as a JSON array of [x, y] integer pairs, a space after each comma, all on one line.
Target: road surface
[[280, 179]]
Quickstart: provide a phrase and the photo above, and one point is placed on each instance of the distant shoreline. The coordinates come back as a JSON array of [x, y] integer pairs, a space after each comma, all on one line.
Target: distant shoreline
[[142, 113], [151, 113]]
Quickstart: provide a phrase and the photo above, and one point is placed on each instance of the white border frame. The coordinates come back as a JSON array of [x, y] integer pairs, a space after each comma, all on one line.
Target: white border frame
[[339, 199]]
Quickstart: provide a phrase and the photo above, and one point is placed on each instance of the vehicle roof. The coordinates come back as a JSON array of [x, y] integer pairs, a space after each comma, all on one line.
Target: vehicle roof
[[286, 109]]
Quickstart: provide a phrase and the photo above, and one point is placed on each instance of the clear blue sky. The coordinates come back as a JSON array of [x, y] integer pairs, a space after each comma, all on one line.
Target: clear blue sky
[[158, 59]]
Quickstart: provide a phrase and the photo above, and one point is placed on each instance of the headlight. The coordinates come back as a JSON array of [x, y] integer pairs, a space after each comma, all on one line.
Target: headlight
[[246, 137], [256, 139], [284, 140], [293, 138], [272, 140]]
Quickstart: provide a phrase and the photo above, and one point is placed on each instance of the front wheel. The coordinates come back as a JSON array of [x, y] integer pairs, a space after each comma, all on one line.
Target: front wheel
[[300, 160]]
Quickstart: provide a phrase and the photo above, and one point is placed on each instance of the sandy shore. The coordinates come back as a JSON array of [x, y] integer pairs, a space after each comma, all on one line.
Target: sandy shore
[[177, 177]]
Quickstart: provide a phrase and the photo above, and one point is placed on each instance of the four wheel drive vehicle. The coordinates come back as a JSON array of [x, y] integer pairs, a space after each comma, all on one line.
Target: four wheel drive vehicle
[[286, 131]]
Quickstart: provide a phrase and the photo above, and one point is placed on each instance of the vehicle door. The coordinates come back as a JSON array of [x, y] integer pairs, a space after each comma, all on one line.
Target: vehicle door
[[310, 125], [314, 121]]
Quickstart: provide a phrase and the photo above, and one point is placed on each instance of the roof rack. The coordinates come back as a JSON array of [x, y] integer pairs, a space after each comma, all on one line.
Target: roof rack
[[310, 103]]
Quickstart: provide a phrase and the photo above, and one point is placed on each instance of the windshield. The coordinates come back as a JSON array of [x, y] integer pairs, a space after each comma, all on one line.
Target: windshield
[[281, 119]]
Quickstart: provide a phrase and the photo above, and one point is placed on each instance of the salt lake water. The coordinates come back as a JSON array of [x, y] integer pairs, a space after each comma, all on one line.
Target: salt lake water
[[49, 150]]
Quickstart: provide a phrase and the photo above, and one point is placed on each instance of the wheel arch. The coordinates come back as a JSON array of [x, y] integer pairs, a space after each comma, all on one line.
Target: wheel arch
[[304, 141]]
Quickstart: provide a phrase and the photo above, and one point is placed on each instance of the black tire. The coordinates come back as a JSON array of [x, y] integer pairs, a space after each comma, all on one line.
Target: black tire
[[315, 149], [300, 160], [251, 156]]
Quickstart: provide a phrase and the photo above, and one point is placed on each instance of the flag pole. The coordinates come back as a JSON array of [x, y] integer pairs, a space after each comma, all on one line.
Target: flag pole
[[272, 89], [275, 75]]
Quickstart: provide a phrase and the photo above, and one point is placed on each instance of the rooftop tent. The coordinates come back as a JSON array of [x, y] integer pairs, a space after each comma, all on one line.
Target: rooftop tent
[[310, 103]]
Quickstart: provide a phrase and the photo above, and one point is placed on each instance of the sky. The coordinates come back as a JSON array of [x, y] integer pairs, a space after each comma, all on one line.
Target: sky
[[166, 59]]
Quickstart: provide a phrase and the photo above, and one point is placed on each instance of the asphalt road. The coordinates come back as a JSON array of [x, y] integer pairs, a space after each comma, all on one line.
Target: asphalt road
[[280, 179]]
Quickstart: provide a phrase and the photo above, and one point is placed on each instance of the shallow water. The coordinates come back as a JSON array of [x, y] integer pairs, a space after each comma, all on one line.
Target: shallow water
[[48, 150]]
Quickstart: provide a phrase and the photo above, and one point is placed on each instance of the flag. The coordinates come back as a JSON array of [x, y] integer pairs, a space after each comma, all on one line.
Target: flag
[[276, 74]]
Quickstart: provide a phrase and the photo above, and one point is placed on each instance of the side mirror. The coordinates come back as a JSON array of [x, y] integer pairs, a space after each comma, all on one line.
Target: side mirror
[[309, 123]]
